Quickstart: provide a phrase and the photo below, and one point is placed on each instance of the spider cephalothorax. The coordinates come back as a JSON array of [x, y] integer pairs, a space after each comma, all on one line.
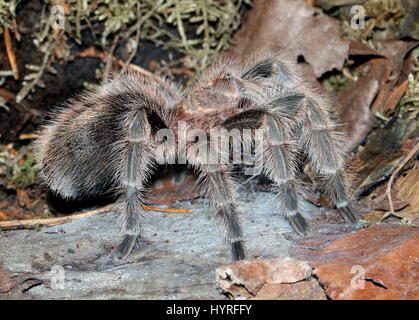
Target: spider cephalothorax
[[110, 139]]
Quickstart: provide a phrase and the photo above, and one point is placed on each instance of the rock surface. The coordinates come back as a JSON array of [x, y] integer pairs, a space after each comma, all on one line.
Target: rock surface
[[178, 261], [182, 252], [380, 262], [283, 279]]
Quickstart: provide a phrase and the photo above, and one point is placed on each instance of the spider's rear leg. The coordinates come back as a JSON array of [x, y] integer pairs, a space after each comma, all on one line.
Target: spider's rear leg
[[220, 190], [323, 145], [279, 166], [273, 68], [136, 164]]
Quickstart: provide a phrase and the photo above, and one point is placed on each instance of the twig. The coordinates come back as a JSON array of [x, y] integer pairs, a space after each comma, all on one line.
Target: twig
[[180, 28], [138, 69], [137, 40], [206, 34], [109, 60], [10, 53], [36, 223], [11, 98], [27, 88], [392, 177], [175, 210], [91, 52], [28, 136]]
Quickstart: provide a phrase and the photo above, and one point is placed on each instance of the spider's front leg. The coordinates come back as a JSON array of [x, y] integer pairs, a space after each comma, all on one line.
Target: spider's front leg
[[279, 166], [136, 160], [221, 191], [219, 188], [323, 145]]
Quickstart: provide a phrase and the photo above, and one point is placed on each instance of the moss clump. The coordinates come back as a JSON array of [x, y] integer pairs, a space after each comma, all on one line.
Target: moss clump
[[382, 17], [337, 81], [412, 93], [7, 13], [17, 169], [197, 29]]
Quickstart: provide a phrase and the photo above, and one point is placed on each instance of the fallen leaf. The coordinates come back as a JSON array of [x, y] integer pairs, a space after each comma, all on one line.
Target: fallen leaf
[[268, 279], [409, 26], [3, 216], [4, 204], [176, 187], [297, 29], [6, 281], [23, 198], [396, 52], [329, 4], [379, 170], [383, 257], [407, 187], [357, 48], [380, 156], [393, 98], [353, 110], [381, 203]]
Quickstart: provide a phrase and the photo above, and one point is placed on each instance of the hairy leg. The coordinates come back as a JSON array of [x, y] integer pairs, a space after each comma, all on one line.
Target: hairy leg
[[136, 164], [323, 145], [219, 188], [279, 166]]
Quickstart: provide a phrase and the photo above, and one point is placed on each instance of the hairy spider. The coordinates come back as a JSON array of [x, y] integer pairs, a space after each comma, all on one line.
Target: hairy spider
[[109, 139]]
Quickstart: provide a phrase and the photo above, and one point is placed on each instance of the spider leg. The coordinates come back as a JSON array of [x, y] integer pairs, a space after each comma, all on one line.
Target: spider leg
[[136, 164], [272, 68], [103, 141], [323, 145], [280, 167], [219, 188]]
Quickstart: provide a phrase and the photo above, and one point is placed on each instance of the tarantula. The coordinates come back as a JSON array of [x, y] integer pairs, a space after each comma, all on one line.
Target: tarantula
[[108, 140]]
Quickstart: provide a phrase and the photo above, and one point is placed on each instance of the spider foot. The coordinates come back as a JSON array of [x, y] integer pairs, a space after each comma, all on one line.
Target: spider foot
[[351, 216], [298, 223], [237, 251], [128, 244]]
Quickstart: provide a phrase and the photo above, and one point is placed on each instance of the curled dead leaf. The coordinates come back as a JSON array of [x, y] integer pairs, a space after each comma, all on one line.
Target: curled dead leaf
[[379, 262], [296, 28]]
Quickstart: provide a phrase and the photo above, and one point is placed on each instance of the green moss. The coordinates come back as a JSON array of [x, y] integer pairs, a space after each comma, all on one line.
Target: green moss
[[17, 169], [197, 28], [337, 81], [412, 93], [7, 13], [381, 16]]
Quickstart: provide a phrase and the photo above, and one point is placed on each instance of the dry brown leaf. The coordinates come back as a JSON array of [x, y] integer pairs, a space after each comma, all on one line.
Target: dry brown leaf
[[395, 51], [3, 216], [353, 110], [4, 204], [268, 279], [408, 188], [6, 281], [296, 28], [381, 203], [386, 253], [329, 4], [23, 198], [393, 98], [170, 189], [410, 23]]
